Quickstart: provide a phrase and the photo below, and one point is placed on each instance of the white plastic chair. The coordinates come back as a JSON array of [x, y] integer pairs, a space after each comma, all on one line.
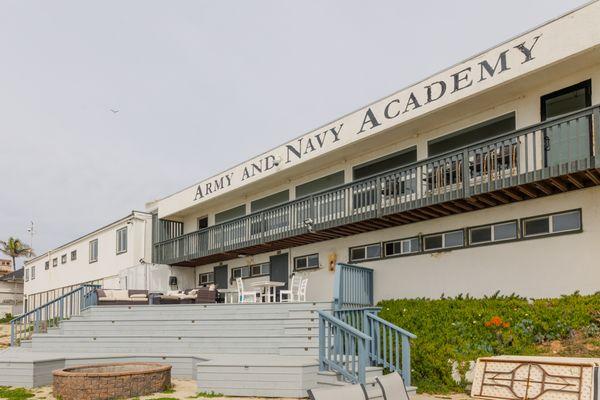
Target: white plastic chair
[[392, 386], [243, 295], [302, 290], [292, 293]]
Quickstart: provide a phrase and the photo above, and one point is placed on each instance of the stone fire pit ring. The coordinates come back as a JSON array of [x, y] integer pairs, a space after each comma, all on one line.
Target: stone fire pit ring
[[111, 381]]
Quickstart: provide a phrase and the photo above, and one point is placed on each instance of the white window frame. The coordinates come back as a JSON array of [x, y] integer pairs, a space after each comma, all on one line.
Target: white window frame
[[33, 272], [402, 252], [210, 278], [26, 274], [120, 242], [93, 251]]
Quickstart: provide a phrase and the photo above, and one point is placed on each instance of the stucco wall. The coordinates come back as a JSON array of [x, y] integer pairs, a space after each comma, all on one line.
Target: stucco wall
[[542, 267]]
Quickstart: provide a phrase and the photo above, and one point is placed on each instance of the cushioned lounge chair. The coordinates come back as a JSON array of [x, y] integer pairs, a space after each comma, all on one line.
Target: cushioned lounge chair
[[392, 387], [350, 392], [113, 297]]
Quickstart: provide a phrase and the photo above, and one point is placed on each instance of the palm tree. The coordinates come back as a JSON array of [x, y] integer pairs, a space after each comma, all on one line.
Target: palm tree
[[14, 248]]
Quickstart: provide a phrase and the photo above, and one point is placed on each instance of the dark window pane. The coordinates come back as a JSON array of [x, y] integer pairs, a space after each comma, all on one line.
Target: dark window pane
[[433, 242], [481, 235], [414, 245], [386, 163], [393, 248], [505, 231], [454, 239], [566, 100], [317, 185], [464, 137], [202, 223], [374, 251], [566, 222], [230, 214], [270, 201], [313, 261], [537, 226], [301, 262], [358, 253]]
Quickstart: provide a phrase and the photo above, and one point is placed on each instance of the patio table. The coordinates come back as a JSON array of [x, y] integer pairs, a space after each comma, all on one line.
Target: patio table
[[268, 290]]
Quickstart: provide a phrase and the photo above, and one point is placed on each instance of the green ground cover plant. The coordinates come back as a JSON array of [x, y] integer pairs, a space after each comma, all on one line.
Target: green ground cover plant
[[462, 329], [15, 393]]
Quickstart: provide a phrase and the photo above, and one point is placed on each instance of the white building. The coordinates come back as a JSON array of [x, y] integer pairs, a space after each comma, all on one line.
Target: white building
[[11, 293], [440, 187], [108, 256]]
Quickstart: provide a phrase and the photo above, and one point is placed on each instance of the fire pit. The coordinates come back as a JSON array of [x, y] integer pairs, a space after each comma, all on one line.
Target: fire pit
[[111, 381]]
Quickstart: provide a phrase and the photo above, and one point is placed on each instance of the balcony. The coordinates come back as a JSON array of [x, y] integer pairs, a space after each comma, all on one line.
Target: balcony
[[555, 156]]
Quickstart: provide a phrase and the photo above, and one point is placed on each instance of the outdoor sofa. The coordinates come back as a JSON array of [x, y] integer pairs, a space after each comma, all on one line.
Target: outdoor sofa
[[202, 295], [114, 297]]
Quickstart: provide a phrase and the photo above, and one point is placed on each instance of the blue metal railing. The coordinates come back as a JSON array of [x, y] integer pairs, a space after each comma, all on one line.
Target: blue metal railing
[[353, 287], [342, 348], [52, 313]]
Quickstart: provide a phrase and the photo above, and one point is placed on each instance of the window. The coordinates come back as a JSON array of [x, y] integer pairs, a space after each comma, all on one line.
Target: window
[[26, 274], [63, 259], [74, 255], [206, 278], [472, 134], [401, 247], [202, 223], [122, 240], [566, 100], [320, 184], [251, 271], [55, 262], [94, 250], [552, 224], [47, 265], [493, 233], [445, 240], [33, 272], [306, 262], [386, 163], [230, 214], [270, 201], [367, 252]]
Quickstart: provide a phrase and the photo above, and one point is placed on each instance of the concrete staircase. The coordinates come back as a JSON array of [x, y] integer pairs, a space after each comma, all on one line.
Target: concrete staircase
[[237, 349]]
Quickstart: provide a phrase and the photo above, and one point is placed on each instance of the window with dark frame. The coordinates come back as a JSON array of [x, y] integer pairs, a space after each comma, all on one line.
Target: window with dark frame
[[202, 223], [55, 262], [552, 224], [47, 265], [493, 233], [63, 259], [444, 240], [366, 252], [74, 255], [251, 271], [306, 262]]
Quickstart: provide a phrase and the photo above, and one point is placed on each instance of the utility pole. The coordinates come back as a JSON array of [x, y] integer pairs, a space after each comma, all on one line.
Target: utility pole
[[31, 230]]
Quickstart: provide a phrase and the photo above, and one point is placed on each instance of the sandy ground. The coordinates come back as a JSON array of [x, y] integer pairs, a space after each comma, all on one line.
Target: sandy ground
[[4, 335], [186, 389]]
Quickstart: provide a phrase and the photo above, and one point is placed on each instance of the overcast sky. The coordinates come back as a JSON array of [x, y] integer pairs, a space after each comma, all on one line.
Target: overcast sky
[[199, 86]]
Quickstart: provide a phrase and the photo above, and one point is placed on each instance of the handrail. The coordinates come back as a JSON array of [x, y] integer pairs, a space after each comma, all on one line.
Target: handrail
[[52, 313], [352, 287], [342, 349], [477, 168], [390, 347]]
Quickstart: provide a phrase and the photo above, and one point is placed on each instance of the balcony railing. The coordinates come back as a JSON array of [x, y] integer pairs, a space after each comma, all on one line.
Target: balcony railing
[[556, 147]]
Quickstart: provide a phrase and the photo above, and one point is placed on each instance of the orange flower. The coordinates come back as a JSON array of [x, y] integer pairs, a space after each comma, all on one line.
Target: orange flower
[[506, 325], [496, 320]]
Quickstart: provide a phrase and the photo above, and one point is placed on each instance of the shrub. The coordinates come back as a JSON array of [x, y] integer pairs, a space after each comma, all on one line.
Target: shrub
[[462, 329]]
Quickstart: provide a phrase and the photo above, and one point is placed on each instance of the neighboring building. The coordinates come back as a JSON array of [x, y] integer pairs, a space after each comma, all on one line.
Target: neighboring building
[[440, 188], [11, 293], [115, 256]]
